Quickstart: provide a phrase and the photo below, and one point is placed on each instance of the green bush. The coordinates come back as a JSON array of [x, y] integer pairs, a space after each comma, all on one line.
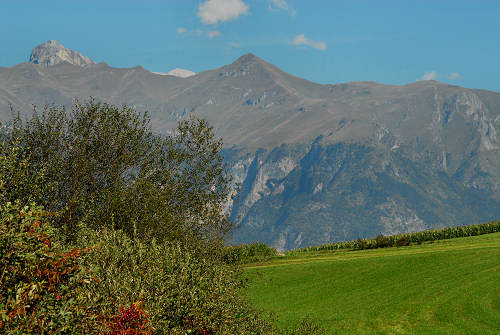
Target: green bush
[[170, 289], [181, 291], [383, 241], [403, 241], [361, 244], [247, 253], [39, 279]]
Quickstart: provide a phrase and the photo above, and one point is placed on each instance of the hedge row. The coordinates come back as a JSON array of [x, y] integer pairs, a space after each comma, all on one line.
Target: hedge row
[[382, 241], [112, 284], [247, 253]]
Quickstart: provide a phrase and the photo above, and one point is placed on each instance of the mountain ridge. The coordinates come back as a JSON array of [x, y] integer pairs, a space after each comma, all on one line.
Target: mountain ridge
[[316, 163]]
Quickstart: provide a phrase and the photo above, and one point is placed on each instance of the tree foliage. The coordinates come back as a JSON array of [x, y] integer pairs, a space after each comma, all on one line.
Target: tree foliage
[[136, 228], [105, 166]]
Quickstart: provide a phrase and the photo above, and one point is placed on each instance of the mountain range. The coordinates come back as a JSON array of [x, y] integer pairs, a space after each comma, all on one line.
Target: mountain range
[[315, 163]]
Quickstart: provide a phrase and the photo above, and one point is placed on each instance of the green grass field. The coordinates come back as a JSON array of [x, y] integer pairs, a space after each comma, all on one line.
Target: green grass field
[[446, 287]]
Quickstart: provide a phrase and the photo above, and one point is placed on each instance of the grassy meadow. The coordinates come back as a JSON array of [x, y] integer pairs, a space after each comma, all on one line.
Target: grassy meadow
[[445, 287]]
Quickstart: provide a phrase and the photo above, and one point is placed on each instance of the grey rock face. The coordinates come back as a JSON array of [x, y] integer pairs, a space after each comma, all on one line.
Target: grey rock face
[[314, 163], [52, 52]]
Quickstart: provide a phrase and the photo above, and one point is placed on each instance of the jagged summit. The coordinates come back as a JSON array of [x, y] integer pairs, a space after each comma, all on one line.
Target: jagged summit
[[52, 52]]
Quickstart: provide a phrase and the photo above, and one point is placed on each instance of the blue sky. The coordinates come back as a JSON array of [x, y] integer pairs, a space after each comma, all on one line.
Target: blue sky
[[329, 41]]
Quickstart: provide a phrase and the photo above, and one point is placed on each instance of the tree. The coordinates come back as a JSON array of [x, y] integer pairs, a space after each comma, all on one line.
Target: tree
[[145, 213], [107, 168]]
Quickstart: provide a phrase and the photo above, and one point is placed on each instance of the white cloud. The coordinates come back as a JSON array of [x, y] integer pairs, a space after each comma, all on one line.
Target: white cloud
[[303, 40], [215, 11], [281, 5], [181, 30], [213, 33], [235, 45], [429, 75], [454, 76]]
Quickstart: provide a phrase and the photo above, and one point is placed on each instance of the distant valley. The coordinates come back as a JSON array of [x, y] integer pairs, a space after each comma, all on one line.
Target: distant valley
[[315, 163]]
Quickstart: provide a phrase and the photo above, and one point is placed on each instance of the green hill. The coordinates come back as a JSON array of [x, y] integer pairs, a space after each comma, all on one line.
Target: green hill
[[445, 287]]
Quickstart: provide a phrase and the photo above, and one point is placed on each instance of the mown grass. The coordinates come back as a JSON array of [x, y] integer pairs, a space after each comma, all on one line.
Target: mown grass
[[446, 287]]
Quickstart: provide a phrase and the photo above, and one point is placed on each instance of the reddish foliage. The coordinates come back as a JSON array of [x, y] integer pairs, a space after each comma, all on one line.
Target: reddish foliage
[[131, 321], [38, 279]]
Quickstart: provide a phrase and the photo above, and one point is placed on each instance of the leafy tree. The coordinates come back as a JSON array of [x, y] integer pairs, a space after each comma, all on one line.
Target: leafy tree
[[107, 168], [144, 216], [18, 179]]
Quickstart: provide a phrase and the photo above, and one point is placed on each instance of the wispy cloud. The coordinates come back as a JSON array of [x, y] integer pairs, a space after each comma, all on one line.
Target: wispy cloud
[[282, 5], [234, 45], [429, 75], [215, 11], [198, 32], [303, 40], [433, 75]]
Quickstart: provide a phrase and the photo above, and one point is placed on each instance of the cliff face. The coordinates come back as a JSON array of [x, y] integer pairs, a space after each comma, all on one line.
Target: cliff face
[[342, 191], [440, 170], [314, 163]]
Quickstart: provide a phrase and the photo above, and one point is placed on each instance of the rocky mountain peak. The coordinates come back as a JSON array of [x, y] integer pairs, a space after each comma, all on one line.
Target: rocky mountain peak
[[248, 59], [52, 52], [246, 64]]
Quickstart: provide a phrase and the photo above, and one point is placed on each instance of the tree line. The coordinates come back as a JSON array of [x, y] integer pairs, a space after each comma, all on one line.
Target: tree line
[[400, 240]]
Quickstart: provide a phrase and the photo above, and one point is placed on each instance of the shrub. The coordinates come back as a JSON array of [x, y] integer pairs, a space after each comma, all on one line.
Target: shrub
[[39, 279], [382, 241], [402, 241], [131, 321], [169, 288], [361, 244], [182, 291], [247, 253]]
